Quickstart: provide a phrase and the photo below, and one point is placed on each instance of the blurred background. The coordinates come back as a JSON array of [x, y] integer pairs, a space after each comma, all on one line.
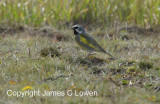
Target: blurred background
[[144, 13]]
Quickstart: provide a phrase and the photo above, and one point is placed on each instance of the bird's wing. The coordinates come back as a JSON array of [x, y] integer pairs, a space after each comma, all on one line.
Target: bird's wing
[[88, 40]]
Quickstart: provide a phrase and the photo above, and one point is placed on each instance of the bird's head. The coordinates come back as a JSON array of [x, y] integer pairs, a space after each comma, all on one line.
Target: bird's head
[[78, 29]]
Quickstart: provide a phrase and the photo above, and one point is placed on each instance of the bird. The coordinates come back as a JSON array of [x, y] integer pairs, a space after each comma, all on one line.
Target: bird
[[86, 41]]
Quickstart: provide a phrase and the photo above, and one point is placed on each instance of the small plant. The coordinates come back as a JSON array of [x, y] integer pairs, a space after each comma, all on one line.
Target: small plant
[[145, 65], [132, 69], [51, 51], [124, 82], [157, 68]]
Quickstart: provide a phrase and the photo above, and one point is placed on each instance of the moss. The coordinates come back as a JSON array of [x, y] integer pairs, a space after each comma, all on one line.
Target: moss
[[124, 82], [131, 69]]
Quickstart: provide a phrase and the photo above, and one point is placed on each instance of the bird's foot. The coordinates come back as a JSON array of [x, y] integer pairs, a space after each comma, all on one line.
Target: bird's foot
[[90, 55]]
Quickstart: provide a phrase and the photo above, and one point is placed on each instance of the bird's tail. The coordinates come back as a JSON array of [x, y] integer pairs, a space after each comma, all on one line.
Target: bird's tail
[[109, 54], [102, 50]]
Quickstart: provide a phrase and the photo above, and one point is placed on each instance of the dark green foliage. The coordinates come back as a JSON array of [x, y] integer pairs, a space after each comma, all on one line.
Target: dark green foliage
[[145, 65], [51, 51]]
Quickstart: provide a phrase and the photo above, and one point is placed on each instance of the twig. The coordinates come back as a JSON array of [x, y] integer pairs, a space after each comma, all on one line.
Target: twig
[[52, 79], [29, 29], [29, 49], [5, 31]]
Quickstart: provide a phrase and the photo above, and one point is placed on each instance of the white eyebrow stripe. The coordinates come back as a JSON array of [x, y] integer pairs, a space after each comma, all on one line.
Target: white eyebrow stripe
[[78, 31], [75, 26]]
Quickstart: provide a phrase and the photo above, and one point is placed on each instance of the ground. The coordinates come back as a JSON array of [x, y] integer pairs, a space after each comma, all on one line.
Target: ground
[[48, 59]]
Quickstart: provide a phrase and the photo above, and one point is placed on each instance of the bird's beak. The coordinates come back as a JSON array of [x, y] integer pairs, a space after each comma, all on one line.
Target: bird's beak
[[72, 27]]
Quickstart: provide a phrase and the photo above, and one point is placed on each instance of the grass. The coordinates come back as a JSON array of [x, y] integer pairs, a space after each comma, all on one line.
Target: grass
[[132, 78], [63, 12], [50, 60]]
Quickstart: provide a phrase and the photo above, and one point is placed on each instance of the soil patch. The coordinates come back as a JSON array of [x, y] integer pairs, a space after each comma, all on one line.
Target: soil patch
[[42, 31], [143, 31]]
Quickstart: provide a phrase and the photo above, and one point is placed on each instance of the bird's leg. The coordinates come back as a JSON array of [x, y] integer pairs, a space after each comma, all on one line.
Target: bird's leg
[[110, 56], [89, 54]]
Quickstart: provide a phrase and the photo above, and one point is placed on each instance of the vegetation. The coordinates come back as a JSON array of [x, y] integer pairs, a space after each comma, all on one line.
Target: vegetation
[[59, 12], [34, 56], [43, 63]]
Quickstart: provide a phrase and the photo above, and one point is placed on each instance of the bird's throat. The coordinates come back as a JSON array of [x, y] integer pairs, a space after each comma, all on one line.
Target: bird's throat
[[75, 32]]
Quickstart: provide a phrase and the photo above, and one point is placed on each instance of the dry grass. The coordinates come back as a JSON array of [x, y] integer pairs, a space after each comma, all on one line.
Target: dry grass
[[48, 59], [132, 78]]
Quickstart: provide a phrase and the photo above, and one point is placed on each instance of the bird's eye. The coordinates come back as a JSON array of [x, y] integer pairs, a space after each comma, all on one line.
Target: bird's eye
[[76, 27]]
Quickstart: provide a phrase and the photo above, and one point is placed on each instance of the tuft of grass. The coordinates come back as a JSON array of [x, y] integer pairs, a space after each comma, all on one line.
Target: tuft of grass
[[145, 65], [51, 51], [132, 69], [157, 68]]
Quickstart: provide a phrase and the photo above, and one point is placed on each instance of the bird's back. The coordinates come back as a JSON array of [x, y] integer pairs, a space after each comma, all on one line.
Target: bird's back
[[89, 42]]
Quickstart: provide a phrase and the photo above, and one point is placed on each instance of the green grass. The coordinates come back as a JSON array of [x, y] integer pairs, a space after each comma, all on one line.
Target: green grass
[[61, 12], [132, 78], [49, 59]]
